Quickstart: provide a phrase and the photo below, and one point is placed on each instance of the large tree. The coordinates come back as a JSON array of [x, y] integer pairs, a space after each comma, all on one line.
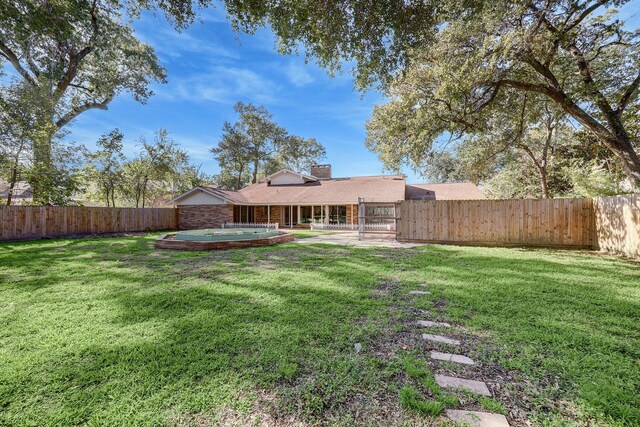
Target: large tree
[[464, 55], [74, 56], [255, 146]]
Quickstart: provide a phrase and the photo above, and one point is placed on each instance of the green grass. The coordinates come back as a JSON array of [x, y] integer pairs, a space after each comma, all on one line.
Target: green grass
[[111, 332], [412, 399]]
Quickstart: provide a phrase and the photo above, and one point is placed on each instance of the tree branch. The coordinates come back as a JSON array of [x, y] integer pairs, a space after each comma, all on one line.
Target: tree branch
[[62, 121], [13, 59], [75, 59], [626, 98]]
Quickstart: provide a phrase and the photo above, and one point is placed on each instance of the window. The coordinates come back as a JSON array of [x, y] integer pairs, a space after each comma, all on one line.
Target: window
[[244, 213], [337, 214], [306, 214]]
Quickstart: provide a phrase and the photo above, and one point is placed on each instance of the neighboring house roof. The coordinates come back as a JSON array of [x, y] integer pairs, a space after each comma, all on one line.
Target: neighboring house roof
[[454, 191], [381, 189], [22, 190]]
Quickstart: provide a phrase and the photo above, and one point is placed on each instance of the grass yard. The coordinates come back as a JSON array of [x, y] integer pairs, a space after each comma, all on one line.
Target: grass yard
[[111, 332]]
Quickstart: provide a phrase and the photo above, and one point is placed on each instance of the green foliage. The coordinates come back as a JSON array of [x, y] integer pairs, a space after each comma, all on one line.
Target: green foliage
[[448, 67], [104, 167], [73, 56], [148, 174], [255, 146], [412, 399], [492, 405]]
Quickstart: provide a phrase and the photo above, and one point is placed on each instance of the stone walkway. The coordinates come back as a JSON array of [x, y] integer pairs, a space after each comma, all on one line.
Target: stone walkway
[[470, 418]]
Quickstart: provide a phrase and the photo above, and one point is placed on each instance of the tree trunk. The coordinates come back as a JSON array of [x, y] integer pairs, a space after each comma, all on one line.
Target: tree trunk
[[42, 168], [543, 182], [255, 172], [629, 159], [12, 183]]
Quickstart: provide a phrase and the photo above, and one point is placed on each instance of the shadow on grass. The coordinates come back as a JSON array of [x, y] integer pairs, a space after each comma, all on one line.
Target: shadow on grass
[[111, 331]]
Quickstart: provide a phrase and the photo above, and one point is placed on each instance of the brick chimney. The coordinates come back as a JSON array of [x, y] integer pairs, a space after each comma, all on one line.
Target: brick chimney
[[321, 171]]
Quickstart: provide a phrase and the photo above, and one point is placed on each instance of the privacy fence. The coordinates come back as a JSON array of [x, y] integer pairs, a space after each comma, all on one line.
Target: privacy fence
[[608, 223], [35, 222]]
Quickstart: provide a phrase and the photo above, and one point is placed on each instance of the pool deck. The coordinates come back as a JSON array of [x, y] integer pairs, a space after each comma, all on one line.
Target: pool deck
[[350, 238]]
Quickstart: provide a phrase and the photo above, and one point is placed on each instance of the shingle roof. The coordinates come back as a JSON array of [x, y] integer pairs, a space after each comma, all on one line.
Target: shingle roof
[[21, 190], [381, 189], [454, 191]]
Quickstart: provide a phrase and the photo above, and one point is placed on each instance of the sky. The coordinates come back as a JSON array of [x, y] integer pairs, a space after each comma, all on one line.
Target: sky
[[210, 68]]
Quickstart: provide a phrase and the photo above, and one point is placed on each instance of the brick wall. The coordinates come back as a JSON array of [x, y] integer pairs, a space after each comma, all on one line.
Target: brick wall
[[276, 214], [204, 216], [352, 214]]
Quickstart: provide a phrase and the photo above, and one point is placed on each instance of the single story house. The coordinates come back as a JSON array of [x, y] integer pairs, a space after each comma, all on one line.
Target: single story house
[[20, 194], [292, 199]]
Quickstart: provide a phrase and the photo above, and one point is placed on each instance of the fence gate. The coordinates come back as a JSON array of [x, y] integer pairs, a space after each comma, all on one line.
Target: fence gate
[[376, 224]]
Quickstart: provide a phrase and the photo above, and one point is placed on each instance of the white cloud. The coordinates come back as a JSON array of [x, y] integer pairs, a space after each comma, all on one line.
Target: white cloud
[[173, 45], [221, 84], [298, 75]]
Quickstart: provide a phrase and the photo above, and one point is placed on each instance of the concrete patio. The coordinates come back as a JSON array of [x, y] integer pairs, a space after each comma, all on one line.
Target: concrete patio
[[350, 238]]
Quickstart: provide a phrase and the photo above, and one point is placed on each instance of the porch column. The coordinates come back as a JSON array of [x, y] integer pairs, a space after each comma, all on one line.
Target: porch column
[[268, 214], [298, 214]]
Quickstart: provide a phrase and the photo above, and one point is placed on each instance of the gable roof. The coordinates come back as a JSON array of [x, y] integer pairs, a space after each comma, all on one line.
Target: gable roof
[[226, 195], [288, 171], [453, 191], [21, 190], [380, 189]]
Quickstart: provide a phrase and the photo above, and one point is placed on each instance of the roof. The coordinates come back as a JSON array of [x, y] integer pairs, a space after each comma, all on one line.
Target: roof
[[380, 189], [229, 196], [453, 191], [289, 171], [21, 190]]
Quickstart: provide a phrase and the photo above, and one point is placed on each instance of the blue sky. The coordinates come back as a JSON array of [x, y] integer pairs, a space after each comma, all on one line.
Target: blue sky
[[210, 68]]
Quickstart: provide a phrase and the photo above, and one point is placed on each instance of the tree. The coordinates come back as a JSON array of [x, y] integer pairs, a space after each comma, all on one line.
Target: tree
[[256, 146], [15, 138], [232, 154], [463, 57], [76, 56], [299, 154], [149, 172], [104, 166]]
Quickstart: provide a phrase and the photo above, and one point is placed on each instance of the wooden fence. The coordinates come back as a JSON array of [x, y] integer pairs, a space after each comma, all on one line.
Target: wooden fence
[[552, 222], [35, 222], [617, 222]]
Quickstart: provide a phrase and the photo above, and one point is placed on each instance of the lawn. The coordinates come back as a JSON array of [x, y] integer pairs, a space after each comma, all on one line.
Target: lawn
[[111, 332]]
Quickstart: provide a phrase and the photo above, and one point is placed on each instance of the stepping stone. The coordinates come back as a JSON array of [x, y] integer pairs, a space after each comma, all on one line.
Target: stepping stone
[[477, 419], [478, 387], [457, 358], [440, 338], [430, 324], [419, 293]]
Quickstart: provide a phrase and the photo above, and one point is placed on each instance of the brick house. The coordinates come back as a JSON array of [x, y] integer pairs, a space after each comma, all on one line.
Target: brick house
[[292, 199]]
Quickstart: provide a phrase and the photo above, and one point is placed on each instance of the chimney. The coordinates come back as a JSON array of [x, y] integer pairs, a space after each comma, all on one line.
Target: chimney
[[321, 171]]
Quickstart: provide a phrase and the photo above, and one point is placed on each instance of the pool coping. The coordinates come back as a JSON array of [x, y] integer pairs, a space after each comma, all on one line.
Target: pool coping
[[167, 241]]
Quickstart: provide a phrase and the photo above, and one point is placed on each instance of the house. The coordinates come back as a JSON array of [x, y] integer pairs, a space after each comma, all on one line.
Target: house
[[21, 193], [293, 199]]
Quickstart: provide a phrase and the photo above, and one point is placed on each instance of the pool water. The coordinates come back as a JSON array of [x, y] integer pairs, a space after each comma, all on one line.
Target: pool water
[[225, 234]]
